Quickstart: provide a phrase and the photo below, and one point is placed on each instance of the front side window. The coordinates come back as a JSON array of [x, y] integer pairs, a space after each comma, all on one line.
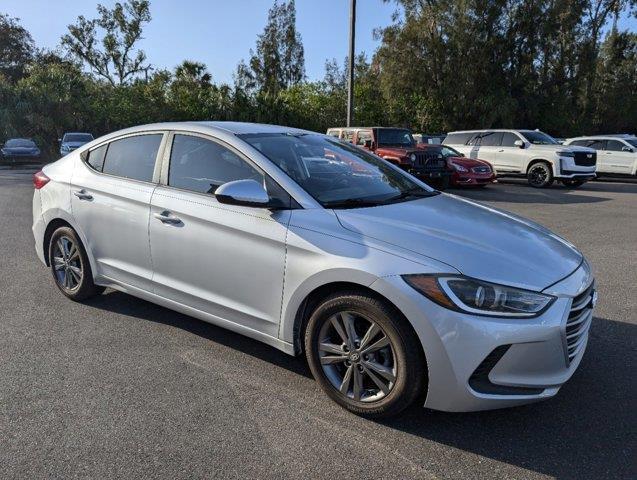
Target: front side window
[[487, 139], [336, 174], [133, 157], [201, 165], [395, 137], [509, 139], [539, 138], [614, 145], [596, 144]]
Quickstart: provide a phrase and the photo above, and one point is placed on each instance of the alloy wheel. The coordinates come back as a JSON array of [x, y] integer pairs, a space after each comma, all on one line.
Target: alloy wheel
[[67, 263], [538, 175], [357, 357]]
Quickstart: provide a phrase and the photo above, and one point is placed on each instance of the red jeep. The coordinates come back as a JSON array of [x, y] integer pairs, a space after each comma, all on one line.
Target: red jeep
[[399, 147]]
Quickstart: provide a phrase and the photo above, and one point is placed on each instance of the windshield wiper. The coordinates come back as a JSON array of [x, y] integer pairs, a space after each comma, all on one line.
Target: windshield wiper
[[414, 192], [352, 203]]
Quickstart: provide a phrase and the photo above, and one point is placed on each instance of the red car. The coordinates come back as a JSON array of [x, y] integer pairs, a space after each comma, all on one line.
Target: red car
[[466, 171]]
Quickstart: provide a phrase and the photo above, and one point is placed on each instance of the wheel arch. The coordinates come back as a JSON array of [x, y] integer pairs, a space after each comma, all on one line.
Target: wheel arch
[[63, 221], [540, 160]]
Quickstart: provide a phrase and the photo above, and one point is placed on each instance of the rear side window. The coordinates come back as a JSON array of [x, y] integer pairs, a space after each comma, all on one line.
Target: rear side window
[[458, 138], [579, 143], [596, 144], [509, 139], [614, 145], [96, 157], [348, 135], [201, 165], [490, 139], [133, 157]]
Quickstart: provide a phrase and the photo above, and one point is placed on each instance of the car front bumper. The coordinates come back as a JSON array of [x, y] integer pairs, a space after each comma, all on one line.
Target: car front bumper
[[480, 363], [470, 178]]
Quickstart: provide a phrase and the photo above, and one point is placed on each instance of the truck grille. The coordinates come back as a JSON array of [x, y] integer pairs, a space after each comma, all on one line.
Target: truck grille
[[584, 159], [579, 321], [430, 161]]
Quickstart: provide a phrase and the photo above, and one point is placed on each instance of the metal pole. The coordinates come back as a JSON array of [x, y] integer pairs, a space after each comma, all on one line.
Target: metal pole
[[350, 83]]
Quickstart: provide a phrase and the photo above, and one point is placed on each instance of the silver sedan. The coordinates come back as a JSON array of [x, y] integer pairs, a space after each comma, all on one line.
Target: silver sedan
[[394, 292]]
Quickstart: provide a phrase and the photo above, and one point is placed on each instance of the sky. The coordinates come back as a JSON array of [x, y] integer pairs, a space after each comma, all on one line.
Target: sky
[[218, 33]]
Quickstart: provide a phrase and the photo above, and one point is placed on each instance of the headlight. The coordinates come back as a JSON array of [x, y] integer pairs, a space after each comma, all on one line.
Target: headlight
[[565, 153], [459, 168], [412, 157], [479, 297]]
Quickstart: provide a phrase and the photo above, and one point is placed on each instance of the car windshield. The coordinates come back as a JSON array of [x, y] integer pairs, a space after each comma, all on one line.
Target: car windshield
[[450, 152], [19, 142], [539, 138], [632, 141], [395, 137], [78, 137], [335, 173]]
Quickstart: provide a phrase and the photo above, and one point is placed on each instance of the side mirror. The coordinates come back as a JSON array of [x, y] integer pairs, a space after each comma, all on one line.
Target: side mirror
[[627, 149], [519, 143], [247, 193]]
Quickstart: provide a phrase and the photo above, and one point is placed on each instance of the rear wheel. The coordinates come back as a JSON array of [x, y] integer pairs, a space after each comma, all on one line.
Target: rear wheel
[[70, 265], [364, 356], [572, 183], [540, 175]]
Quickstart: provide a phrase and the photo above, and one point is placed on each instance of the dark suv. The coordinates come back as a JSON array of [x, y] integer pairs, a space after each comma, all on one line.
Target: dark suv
[[397, 145]]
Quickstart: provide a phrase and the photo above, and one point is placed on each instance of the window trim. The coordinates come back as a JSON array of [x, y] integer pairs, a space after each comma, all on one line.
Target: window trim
[[156, 170], [165, 166]]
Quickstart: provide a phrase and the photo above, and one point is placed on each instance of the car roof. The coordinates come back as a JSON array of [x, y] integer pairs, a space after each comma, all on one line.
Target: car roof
[[494, 130], [604, 137], [368, 128], [81, 133]]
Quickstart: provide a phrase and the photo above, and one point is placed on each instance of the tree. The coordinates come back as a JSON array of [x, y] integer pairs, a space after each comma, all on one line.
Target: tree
[[118, 60], [16, 48], [279, 61]]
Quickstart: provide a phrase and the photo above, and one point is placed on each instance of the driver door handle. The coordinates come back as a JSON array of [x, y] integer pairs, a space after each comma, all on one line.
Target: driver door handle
[[82, 195], [166, 217]]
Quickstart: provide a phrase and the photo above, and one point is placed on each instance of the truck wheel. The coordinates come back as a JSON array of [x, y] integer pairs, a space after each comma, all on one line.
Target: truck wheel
[[572, 183], [540, 175]]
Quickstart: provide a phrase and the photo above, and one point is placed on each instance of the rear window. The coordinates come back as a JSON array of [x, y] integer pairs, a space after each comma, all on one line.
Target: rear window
[[133, 157], [458, 138], [20, 142]]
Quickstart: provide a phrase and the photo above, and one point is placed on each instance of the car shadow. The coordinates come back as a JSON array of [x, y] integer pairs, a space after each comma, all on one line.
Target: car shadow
[[124, 304], [587, 431]]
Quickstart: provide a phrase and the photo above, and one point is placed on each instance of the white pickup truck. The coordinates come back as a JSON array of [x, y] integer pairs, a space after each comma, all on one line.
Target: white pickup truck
[[531, 153]]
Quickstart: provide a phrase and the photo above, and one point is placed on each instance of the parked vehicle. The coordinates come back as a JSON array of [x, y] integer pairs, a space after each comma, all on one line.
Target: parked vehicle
[[531, 153], [466, 171], [429, 139], [72, 140], [616, 154], [393, 291], [397, 146], [17, 149]]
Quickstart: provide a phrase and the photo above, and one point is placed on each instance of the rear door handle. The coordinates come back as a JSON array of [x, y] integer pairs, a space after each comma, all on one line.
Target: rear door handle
[[82, 195], [166, 217]]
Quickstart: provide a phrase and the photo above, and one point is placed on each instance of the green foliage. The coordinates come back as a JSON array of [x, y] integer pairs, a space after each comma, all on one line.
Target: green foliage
[[442, 65]]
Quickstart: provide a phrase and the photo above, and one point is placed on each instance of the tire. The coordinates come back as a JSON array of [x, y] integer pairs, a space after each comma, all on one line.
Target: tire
[[571, 183], [392, 354], [70, 266], [540, 175], [443, 183]]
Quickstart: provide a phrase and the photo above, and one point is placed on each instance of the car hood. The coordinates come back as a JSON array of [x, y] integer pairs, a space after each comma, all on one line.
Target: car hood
[[399, 151], [469, 162], [477, 240], [20, 149]]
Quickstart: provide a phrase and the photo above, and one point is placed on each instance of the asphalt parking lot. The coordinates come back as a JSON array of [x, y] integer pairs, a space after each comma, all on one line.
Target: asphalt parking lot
[[119, 387]]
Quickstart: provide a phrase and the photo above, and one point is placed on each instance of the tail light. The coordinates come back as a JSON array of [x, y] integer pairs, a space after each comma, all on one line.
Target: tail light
[[40, 180]]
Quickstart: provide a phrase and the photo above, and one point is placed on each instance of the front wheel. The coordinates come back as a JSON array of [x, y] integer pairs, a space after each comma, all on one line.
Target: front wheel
[[364, 355], [540, 175], [572, 183], [70, 265]]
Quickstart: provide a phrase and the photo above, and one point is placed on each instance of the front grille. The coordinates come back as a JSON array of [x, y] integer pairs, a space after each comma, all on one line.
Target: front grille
[[584, 159], [579, 321], [481, 170], [430, 161]]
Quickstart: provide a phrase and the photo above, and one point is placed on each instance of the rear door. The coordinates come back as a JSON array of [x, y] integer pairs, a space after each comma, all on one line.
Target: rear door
[[616, 159], [486, 146], [225, 260], [110, 199]]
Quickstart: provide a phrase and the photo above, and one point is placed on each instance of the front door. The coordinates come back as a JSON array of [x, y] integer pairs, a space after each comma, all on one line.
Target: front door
[[225, 260], [510, 157], [110, 200]]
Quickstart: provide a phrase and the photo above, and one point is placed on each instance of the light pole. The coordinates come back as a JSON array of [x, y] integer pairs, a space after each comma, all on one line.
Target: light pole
[[350, 83]]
